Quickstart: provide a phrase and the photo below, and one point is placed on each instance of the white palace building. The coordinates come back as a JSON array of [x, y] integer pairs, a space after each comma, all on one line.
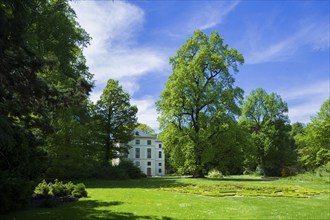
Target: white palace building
[[147, 153]]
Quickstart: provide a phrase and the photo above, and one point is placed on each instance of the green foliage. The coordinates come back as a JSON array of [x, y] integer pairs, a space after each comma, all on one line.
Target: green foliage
[[132, 171], [199, 100], [117, 119], [146, 128], [60, 189], [244, 190], [79, 191], [74, 147], [43, 189], [264, 117], [15, 193], [125, 170], [214, 174], [314, 142]]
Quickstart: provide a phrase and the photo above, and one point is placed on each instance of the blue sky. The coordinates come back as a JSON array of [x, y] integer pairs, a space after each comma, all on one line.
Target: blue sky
[[285, 45]]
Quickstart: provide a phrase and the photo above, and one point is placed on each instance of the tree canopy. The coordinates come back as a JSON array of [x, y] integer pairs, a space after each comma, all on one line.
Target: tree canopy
[[264, 115], [314, 142], [117, 118], [146, 128], [199, 98]]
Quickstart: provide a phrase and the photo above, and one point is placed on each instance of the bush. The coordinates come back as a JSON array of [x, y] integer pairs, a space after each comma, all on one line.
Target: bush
[[43, 189], [125, 170], [324, 170], [15, 193], [289, 171], [79, 191], [214, 173], [59, 189], [131, 170]]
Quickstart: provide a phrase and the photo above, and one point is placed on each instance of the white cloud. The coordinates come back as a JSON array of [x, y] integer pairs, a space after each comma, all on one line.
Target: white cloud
[[207, 16], [305, 101], [113, 52], [211, 15], [147, 113], [315, 35]]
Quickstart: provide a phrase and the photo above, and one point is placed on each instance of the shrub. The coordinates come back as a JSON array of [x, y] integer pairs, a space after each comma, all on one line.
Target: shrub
[[15, 193], [214, 173], [43, 189], [131, 170], [125, 170], [59, 189], [79, 191], [69, 187], [289, 171]]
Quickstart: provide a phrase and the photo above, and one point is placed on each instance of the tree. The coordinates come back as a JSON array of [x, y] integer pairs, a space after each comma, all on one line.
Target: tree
[[314, 142], [117, 118], [42, 72], [147, 129], [264, 116], [198, 99]]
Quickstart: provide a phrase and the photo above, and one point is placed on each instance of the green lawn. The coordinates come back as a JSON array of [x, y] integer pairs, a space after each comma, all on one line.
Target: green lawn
[[238, 197]]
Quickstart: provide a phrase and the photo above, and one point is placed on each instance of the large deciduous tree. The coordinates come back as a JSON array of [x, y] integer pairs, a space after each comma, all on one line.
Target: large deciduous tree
[[199, 99], [264, 115], [314, 142], [117, 117], [41, 67]]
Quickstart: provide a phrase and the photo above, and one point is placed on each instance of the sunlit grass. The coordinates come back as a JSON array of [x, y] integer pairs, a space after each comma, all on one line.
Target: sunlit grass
[[147, 199]]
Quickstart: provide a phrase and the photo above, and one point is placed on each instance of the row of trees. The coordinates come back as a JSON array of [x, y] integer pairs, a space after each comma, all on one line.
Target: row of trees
[[48, 127], [207, 124]]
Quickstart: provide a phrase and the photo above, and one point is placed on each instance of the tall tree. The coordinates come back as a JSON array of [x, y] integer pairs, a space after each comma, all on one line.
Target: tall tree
[[264, 115], [57, 37], [117, 117], [42, 67], [199, 96], [314, 142]]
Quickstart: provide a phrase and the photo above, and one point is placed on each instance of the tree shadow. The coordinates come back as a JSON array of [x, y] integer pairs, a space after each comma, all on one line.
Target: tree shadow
[[146, 183], [85, 209]]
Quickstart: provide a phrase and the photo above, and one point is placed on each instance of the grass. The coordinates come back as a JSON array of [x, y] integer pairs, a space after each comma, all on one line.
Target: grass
[[237, 197]]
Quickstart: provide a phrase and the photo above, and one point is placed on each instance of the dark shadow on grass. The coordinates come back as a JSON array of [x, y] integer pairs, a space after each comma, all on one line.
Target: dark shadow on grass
[[146, 183], [89, 209]]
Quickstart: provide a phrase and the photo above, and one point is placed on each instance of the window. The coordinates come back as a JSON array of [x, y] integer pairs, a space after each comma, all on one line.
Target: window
[[137, 152], [160, 145], [160, 164], [159, 170], [148, 142], [137, 133], [159, 154], [149, 153], [137, 163], [149, 163], [137, 142]]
